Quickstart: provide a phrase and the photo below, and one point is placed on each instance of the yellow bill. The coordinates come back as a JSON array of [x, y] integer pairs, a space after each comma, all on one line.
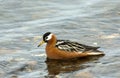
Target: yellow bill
[[41, 42]]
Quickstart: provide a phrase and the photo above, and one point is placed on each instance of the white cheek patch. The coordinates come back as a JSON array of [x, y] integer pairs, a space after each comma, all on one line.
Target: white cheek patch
[[49, 37]]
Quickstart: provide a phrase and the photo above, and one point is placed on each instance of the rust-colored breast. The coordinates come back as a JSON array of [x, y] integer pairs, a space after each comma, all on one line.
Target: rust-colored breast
[[54, 53]]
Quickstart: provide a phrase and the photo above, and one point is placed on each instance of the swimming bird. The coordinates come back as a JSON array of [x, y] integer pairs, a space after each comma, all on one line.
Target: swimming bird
[[66, 49]]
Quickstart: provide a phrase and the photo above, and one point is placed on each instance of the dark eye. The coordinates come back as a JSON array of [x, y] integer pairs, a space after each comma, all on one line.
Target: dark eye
[[46, 38]]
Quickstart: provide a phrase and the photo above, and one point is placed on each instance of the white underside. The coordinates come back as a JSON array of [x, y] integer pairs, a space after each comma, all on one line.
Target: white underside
[[95, 53]]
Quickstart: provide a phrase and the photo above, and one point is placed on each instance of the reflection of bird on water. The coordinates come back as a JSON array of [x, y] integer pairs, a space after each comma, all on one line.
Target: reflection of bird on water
[[65, 49], [56, 67]]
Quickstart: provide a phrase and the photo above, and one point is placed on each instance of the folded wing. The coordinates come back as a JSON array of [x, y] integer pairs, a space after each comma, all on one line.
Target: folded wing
[[70, 46]]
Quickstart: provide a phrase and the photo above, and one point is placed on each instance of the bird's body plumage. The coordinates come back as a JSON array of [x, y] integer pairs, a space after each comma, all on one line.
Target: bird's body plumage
[[65, 49]]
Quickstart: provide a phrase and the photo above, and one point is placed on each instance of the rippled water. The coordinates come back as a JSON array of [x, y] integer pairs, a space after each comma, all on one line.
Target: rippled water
[[91, 22]]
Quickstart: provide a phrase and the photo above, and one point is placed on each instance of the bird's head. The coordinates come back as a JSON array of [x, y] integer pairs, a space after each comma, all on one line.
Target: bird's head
[[46, 38]]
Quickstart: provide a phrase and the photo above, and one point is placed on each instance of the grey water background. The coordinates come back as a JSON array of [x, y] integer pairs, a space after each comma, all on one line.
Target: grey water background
[[91, 22]]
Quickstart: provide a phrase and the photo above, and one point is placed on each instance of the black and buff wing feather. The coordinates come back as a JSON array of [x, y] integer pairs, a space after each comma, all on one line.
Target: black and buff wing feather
[[70, 46]]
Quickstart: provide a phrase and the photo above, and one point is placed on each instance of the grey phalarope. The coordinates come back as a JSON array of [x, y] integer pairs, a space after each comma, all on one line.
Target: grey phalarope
[[65, 49]]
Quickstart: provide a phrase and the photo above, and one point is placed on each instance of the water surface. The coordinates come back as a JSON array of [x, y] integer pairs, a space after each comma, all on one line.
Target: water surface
[[91, 22]]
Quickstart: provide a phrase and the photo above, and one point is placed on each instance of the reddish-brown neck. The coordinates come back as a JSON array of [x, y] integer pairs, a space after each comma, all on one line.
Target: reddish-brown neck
[[52, 41]]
